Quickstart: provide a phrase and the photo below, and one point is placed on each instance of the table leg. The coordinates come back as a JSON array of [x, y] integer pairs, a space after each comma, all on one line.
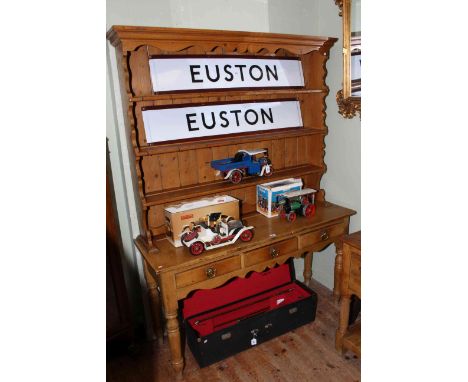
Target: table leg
[[338, 270], [344, 317], [308, 267], [155, 307], [169, 297], [155, 304], [173, 334]]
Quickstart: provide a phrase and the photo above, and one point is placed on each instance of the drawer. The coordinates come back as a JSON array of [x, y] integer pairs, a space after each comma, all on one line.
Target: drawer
[[207, 272], [355, 273], [270, 252], [321, 235]]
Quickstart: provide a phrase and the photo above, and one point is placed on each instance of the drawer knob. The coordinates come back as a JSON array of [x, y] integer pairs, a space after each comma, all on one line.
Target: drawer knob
[[211, 272], [324, 236], [274, 252]]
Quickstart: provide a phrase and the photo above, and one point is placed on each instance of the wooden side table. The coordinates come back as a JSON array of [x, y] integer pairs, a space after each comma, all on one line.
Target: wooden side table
[[349, 337]]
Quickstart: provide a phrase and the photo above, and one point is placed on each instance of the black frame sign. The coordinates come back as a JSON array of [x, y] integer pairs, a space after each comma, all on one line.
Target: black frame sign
[[163, 124], [190, 73]]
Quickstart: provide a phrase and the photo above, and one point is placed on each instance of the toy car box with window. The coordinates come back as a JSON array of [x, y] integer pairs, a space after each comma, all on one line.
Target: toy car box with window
[[268, 194], [246, 312], [179, 217]]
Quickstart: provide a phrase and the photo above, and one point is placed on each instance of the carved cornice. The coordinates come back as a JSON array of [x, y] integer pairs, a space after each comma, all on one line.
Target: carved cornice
[[327, 45], [348, 107], [129, 38], [339, 3]]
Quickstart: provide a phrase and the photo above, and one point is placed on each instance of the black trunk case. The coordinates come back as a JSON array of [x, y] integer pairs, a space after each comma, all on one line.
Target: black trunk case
[[228, 341]]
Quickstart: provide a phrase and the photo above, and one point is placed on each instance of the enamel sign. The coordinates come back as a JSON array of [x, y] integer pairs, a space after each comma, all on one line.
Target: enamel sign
[[200, 73], [168, 124]]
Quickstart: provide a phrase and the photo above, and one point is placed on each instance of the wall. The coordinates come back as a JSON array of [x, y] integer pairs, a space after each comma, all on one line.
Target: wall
[[241, 15], [294, 16], [316, 17], [356, 15]]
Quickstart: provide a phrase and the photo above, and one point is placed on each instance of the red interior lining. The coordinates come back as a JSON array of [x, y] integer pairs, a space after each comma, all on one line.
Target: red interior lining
[[211, 310], [238, 289], [207, 323]]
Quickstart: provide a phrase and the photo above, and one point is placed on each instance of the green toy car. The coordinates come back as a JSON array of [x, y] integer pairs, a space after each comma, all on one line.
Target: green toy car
[[293, 203]]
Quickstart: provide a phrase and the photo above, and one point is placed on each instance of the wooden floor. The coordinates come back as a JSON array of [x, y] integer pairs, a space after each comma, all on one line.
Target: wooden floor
[[305, 354]]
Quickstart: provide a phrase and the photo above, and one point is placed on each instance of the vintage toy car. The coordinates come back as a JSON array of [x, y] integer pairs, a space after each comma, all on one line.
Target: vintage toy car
[[300, 202], [214, 231], [244, 163]]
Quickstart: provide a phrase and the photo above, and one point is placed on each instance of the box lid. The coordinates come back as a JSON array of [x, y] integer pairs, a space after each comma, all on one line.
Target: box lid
[[281, 183], [238, 289], [205, 202]]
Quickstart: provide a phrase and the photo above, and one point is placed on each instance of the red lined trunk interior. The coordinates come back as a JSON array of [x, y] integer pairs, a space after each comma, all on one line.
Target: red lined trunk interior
[[215, 309]]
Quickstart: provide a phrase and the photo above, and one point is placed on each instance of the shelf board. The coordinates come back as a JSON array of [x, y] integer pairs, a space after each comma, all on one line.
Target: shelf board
[[222, 93], [222, 186], [226, 140]]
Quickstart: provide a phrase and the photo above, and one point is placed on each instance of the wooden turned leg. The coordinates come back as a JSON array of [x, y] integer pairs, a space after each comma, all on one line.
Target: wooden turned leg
[[338, 271], [175, 346], [344, 317], [308, 267], [169, 297], [155, 304]]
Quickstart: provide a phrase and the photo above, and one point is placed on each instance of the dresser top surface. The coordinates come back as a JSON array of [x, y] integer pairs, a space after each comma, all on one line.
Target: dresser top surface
[[266, 232]]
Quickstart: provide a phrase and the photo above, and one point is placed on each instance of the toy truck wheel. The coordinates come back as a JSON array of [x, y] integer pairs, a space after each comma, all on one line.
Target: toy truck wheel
[[197, 248], [246, 235], [291, 216], [308, 210], [236, 176], [268, 171], [282, 212]]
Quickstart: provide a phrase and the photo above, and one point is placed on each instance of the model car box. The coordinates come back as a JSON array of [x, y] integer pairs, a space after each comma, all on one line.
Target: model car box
[[179, 216], [246, 312], [268, 193]]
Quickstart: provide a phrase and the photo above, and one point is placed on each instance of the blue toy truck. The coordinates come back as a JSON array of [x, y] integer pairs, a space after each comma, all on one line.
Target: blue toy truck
[[244, 163]]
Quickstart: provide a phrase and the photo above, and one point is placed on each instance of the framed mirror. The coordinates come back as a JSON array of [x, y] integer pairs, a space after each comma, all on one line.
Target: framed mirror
[[349, 98]]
